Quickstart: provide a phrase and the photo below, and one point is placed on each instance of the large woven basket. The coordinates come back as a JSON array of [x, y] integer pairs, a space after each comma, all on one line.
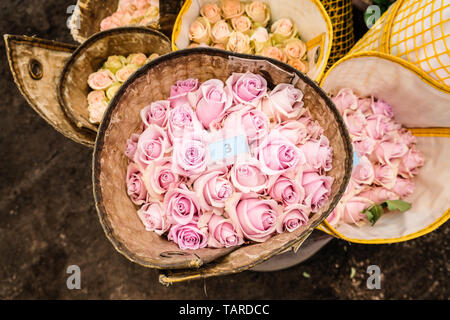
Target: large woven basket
[[89, 57], [423, 108], [117, 213], [311, 19]]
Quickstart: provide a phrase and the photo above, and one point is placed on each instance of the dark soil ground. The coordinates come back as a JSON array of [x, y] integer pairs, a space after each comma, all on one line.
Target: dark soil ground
[[48, 219]]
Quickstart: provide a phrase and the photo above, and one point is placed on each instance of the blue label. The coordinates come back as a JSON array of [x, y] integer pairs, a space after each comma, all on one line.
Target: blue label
[[355, 159], [228, 148]]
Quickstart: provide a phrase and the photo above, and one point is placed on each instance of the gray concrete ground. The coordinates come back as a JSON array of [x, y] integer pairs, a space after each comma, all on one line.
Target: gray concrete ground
[[48, 219]]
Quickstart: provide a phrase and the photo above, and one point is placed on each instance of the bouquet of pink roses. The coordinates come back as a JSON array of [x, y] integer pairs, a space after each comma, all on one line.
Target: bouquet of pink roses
[[242, 27], [132, 12], [218, 164], [385, 160]]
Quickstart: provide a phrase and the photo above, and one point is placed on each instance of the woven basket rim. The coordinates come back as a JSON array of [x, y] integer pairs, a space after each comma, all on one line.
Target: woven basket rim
[[84, 46], [100, 140]]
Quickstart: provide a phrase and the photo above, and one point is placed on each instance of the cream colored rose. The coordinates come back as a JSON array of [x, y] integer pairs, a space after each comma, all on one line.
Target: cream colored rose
[[123, 74], [294, 49], [232, 8], [112, 90], [137, 59], [274, 53], [283, 29], [220, 32], [239, 42], [241, 24], [199, 31], [259, 12], [211, 12], [96, 111], [153, 56], [220, 46], [298, 64], [260, 38]]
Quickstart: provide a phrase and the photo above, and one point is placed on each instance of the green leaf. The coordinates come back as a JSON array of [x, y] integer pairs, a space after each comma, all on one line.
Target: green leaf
[[373, 213], [306, 275], [399, 205]]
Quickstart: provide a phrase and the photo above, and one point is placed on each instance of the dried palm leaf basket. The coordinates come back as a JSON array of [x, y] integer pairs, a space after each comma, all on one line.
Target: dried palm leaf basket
[[424, 108], [312, 22], [117, 213], [52, 75]]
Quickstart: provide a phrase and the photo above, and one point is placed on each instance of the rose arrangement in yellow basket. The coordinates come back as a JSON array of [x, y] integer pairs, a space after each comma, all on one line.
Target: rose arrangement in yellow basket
[[244, 27]]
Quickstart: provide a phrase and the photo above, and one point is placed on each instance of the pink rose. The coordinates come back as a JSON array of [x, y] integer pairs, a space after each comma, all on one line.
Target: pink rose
[[247, 88], [365, 146], [153, 218], [294, 131], [335, 216], [211, 101], [274, 53], [365, 105], [101, 80], [383, 108], [378, 195], [181, 206], [178, 92], [239, 42], [189, 155], [403, 187], [377, 125], [109, 23], [352, 209], [292, 218], [385, 175], [314, 129], [232, 8], [410, 163], [155, 113], [254, 122], [317, 189], [188, 237], [182, 121], [277, 155], [255, 218], [153, 143], [387, 151], [135, 186], [96, 96], [222, 233], [131, 147], [220, 32], [355, 122], [287, 191], [285, 102], [241, 24], [211, 12], [318, 154], [258, 12], [159, 178], [295, 49], [283, 29], [212, 190], [199, 31], [345, 99], [363, 173], [260, 35], [247, 176]]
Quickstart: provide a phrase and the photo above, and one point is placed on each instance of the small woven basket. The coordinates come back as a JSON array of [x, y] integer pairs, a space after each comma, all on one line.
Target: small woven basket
[[117, 213], [88, 57]]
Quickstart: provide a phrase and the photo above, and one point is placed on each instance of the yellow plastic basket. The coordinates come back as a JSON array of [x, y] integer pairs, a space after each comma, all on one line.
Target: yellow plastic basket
[[417, 31]]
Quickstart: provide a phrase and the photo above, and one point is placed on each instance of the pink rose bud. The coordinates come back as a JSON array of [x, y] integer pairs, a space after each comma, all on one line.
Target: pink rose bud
[[137, 59], [285, 102], [355, 122], [231, 8], [363, 173], [379, 194], [365, 105], [131, 147], [188, 237], [292, 218], [247, 88], [377, 126], [283, 29], [212, 190], [189, 155], [178, 92], [274, 53], [294, 131], [299, 64], [385, 175], [335, 216], [135, 186], [287, 191], [317, 189], [403, 187], [247, 176], [410, 163], [153, 218], [294, 49], [109, 23], [181, 206], [353, 208], [387, 151], [318, 154], [182, 121], [365, 146], [222, 233], [211, 101], [314, 129], [155, 113], [277, 155], [383, 108], [345, 99], [152, 145], [101, 80], [211, 12], [159, 178], [255, 218], [220, 33], [96, 96], [254, 122]]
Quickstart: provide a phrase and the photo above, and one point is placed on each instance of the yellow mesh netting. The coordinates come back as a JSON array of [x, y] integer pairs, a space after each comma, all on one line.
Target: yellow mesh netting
[[341, 14]]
